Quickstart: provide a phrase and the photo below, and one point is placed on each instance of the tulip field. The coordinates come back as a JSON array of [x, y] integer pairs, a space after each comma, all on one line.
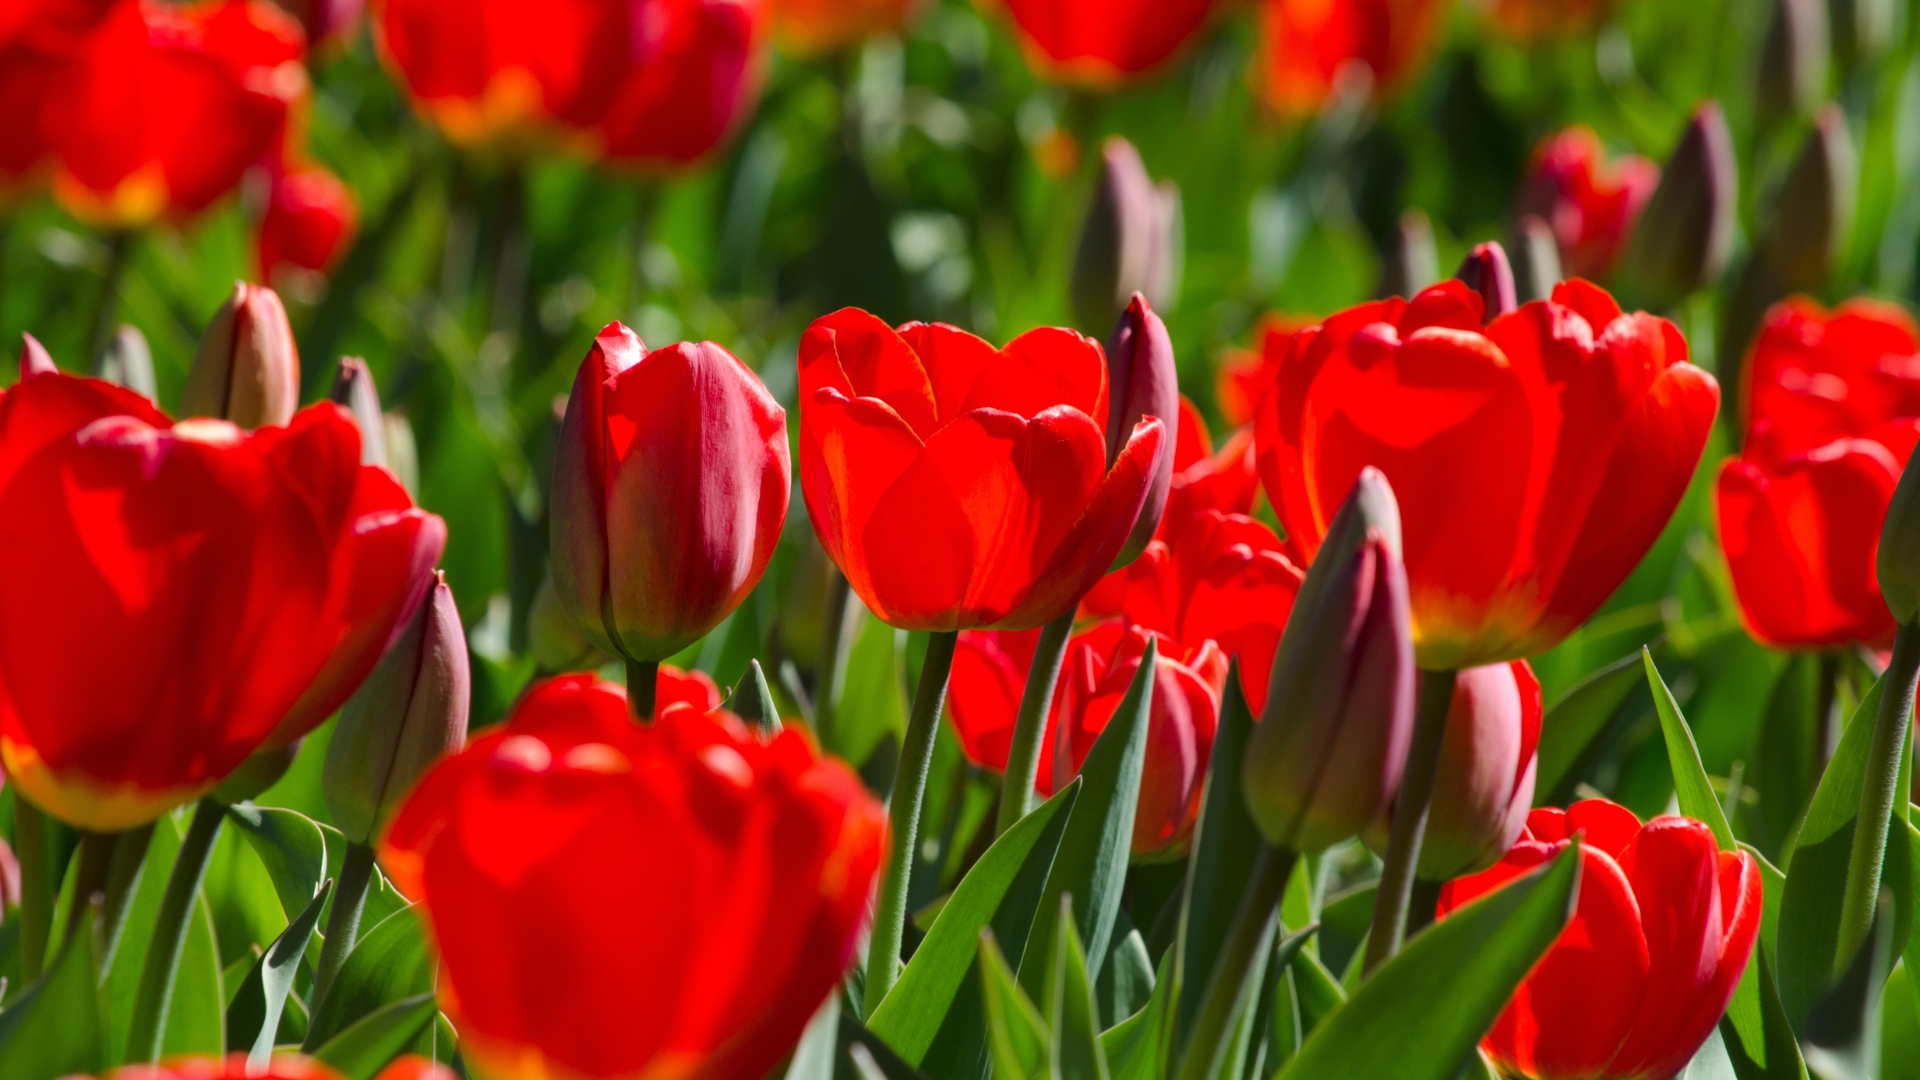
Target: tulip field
[[959, 539]]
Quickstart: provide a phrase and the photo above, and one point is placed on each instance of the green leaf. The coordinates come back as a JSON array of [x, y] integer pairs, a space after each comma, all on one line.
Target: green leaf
[[57, 1026], [1690, 782], [290, 845], [1421, 1013], [1710, 1062], [873, 704], [1074, 1052], [813, 1058], [1318, 993], [752, 700], [1136, 1048], [1841, 1036], [388, 963], [1092, 864], [1779, 1052], [1017, 1035], [1571, 726], [1126, 979], [929, 994], [253, 1017], [196, 1014], [1226, 843], [240, 893], [1783, 769], [371, 1044]]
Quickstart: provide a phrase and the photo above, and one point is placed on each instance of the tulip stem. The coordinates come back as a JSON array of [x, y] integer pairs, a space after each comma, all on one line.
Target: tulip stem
[[1877, 796], [147, 1027], [1410, 808], [1023, 758], [36, 884], [643, 685], [1259, 905], [128, 856], [903, 820], [343, 921]]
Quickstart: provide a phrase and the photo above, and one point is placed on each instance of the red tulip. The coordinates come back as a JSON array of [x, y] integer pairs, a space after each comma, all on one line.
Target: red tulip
[[983, 696], [309, 220], [960, 487], [1814, 376], [39, 42], [236, 586], [1308, 42], [1102, 43], [1245, 375], [1536, 459], [810, 27], [1529, 20], [1663, 931], [681, 100], [1207, 479], [234, 1067], [167, 107], [670, 485], [1589, 202], [612, 900]]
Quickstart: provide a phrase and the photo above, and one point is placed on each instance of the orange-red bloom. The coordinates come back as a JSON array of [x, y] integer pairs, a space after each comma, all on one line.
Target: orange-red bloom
[[1308, 42], [959, 486], [1833, 415], [1205, 478], [1102, 43], [1589, 202], [237, 587], [611, 900], [1536, 459], [817, 26], [309, 219], [1665, 926], [39, 41]]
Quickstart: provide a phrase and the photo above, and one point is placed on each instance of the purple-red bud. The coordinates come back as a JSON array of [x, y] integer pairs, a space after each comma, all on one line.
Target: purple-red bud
[[1142, 381], [1487, 272], [1813, 218], [1793, 62], [34, 358], [246, 370], [1130, 242], [1411, 263], [353, 389], [1685, 233]]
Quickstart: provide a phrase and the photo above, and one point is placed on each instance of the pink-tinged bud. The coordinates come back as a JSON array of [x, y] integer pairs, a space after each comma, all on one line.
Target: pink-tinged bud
[[1536, 259], [1484, 787], [1410, 263], [353, 390], [128, 361], [408, 714], [1130, 243], [1142, 381], [1487, 272], [670, 484], [246, 370], [34, 358], [1793, 62], [1326, 758], [1813, 218], [1685, 233]]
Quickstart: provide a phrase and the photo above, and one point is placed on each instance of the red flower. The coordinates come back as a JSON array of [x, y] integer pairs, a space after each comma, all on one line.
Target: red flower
[[1665, 926], [39, 41], [1590, 203], [1535, 460], [1102, 43], [234, 1067], [310, 217], [1308, 42], [167, 106], [1834, 415], [818, 26], [670, 486], [685, 95], [1246, 374], [1224, 480], [616, 900], [237, 587], [983, 695], [958, 486]]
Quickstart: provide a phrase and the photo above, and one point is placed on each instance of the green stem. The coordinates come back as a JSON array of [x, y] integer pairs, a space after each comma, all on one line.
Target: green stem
[[90, 876], [643, 685], [1258, 905], [1877, 794], [1410, 818], [107, 307], [1425, 904], [343, 922], [122, 876], [834, 645], [36, 884], [148, 1024], [903, 814], [1036, 701]]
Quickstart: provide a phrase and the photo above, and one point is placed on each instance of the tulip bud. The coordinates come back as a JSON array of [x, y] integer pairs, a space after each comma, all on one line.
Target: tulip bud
[[353, 388], [1536, 260], [1686, 231], [1898, 562], [1130, 242], [1793, 63], [34, 358], [1410, 262], [246, 370], [1813, 218], [1326, 758], [1487, 272], [409, 712], [128, 362], [1142, 381]]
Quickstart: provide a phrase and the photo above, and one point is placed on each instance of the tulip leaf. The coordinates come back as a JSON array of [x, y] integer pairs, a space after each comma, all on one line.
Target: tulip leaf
[[253, 1016], [1226, 844], [813, 1058], [1136, 1048], [752, 700], [57, 1026], [1788, 733], [197, 1016], [1779, 1053], [1318, 992], [1092, 864], [931, 996], [1575, 723], [1710, 1062], [1690, 782], [1074, 1052], [880, 1056], [873, 704], [1420, 1014], [387, 964], [1126, 979], [374, 1040], [1017, 1034], [290, 845], [1841, 1036], [196, 1013]]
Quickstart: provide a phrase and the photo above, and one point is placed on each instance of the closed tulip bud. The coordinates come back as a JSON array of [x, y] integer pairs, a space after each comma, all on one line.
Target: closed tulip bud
[[246, 370], [1686, 231], [127, 361], [408, 714], [1129, 244], [1410, 262], [1487, 272], [670, 485], [1327, 755], [1793, 62], [1142, 382], [1814, 216], [1898, 561], [354, 390], [34, 358], [1536, 260]]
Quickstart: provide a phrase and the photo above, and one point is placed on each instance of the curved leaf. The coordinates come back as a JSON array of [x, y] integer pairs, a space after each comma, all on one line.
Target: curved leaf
[[371, 1044], [1574, 722], [57, 1026], [253, 1018], [1225, 845], [389, 963]]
